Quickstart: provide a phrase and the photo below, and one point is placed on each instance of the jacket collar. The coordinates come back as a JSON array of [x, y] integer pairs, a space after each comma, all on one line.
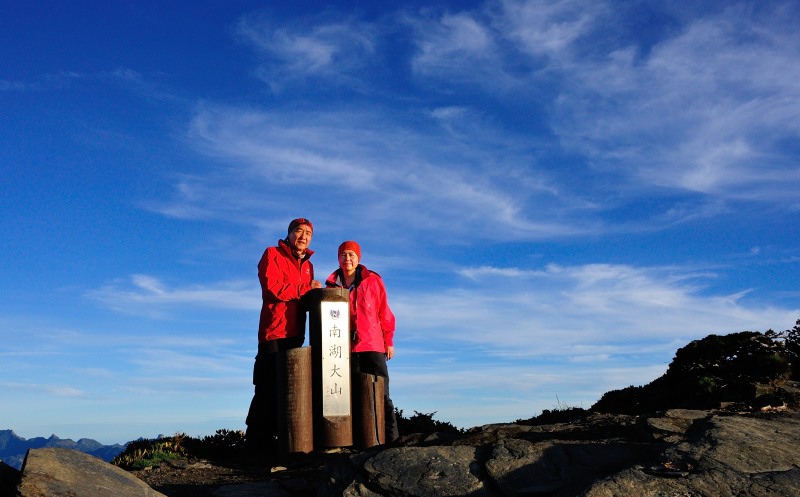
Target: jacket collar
[[337, 277], [282, 245]]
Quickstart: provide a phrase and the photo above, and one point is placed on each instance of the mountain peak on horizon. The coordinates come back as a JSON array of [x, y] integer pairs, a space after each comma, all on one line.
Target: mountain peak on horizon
[[13, 447]]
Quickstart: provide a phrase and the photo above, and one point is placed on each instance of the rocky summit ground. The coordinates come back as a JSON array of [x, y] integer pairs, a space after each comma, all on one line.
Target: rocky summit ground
[[676, 452], [722, 422], [244, 475]]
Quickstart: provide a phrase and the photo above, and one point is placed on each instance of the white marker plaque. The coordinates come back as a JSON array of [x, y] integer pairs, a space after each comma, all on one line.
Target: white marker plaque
[[335, 317]]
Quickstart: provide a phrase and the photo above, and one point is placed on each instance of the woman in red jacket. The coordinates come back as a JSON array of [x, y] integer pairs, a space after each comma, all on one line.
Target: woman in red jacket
[[371, 322]]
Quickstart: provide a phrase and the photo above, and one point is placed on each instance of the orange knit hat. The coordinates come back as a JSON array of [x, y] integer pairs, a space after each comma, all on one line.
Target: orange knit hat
[[350, 245]]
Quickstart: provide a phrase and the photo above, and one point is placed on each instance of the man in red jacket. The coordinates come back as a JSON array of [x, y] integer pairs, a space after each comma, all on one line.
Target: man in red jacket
[[286, 274]]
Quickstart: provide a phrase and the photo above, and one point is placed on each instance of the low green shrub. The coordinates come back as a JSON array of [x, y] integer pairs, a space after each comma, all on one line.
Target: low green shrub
[[423, 423], [143, 453]]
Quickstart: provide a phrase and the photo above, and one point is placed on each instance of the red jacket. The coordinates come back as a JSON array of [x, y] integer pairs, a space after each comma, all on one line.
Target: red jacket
[[370, 315], [284, 279]]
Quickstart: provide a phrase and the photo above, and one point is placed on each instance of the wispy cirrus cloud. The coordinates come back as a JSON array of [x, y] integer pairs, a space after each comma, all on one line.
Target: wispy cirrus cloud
[[553, 310], [455, 46], [557, 333], [684, 114], [56, 390], [149, 295], [334, 49], [43, 83], [708, 109], [560, 310], [532, 334], [384, 166], [550, 29]]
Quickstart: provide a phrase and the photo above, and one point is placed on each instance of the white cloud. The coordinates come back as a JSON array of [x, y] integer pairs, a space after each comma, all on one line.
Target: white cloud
[[467, 395], [568, 311], [389, 172], [704, 110], [451, 44], [547, 27], [150, 296], [290, 148], [482, 272], [707, 108], [24, 389], [44, 83], [565, 311], [560, 334], [333, 49], [685, 114], [214, 360]]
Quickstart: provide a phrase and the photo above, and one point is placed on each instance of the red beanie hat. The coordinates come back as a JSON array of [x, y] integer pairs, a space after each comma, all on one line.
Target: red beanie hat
[[350, 245], [300, 221]]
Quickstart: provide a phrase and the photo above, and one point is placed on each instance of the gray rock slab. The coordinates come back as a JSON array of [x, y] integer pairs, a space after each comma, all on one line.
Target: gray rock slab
[[70, 473], [732, 456], [749, 444], [426, 472], [519, 464], [558, 467]]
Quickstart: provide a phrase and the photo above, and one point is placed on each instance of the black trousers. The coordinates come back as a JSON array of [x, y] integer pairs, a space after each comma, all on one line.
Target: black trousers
[[375, 363], [262, 419]]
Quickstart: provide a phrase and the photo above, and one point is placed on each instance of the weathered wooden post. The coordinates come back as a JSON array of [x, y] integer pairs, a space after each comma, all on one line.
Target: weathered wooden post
[[294, 391], [329, 328], [369, 416]]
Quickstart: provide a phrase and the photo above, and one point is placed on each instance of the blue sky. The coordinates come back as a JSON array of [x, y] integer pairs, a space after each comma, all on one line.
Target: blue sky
[[558, 194]]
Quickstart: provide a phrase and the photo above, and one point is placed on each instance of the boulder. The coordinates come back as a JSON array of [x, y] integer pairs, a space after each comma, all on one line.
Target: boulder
[[66, 472], [9, 477], [426, 472]]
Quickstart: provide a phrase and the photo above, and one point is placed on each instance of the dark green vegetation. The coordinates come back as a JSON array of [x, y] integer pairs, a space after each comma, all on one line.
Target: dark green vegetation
[[748, 369], [144, 452], [423, 423], [224, 444]]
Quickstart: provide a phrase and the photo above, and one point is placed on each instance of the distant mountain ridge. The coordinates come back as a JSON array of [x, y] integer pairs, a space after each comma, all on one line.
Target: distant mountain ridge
[[13, 447]]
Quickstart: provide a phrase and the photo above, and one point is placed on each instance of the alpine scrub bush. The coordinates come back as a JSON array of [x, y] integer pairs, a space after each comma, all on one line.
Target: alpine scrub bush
[[144, 453], [714, 370], [423, 423]]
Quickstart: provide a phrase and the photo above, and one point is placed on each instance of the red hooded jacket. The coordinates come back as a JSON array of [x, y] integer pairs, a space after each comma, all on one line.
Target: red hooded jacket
[[369, 311], [284, 279]]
